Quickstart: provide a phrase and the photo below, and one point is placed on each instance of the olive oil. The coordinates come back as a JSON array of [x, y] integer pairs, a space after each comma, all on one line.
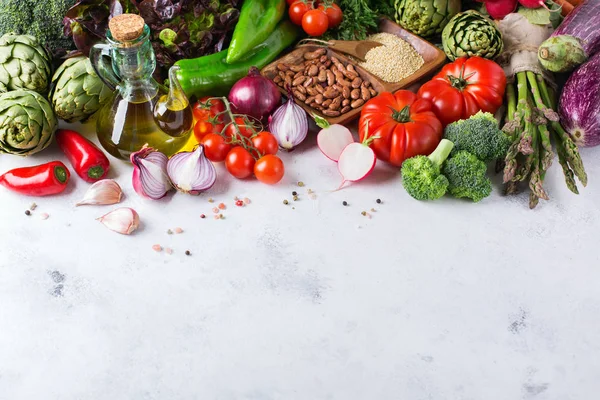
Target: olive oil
[[125, 127], [141, 112]]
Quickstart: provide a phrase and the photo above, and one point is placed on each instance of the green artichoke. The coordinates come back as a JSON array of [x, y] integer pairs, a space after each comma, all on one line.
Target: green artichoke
[[27, 123], [77, 92], [24, 64], [471, 34], [425, 18]]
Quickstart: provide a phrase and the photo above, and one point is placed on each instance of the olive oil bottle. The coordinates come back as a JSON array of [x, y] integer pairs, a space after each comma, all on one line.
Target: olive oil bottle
[[141, 112]]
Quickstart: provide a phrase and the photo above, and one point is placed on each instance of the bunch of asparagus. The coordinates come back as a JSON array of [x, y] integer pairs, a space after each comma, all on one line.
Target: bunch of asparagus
[[533, 124]]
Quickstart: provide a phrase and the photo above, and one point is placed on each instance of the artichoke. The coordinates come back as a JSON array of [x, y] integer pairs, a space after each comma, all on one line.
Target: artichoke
[[27, 123], [425, 18], [24, 64], [471, 34], [77, 92]]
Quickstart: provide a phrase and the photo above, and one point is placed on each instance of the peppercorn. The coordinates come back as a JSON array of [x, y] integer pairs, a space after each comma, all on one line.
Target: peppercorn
[[202, 216], [363, 213], [187, 253], [295, 198], [344, 203], [286, 202], [294, 193], [378, 201], [170, 232], [300, 184], [27, 212]]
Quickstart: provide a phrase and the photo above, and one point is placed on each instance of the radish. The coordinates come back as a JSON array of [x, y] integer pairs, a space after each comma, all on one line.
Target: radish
[[357, 160], [499, 9], [533, 3], [332, 139]]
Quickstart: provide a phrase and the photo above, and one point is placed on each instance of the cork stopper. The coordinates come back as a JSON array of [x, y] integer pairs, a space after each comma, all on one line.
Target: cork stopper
[[126, 27]]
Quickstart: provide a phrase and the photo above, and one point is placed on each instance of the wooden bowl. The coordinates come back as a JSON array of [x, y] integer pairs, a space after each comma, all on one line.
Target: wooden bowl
[[433, 59]]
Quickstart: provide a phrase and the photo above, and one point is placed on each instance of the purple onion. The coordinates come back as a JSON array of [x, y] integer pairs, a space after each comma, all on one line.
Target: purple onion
[[289, 124], [191, 172], [254, 95], [150, 173]]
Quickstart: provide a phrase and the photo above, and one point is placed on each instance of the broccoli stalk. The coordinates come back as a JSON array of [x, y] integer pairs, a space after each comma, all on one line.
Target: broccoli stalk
[[421, 176], [466, 176], [479, 135]]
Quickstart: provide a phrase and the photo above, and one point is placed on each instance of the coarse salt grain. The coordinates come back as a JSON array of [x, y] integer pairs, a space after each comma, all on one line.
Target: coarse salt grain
[[393, 61], [246, 200], [168, 250], [178, 230], [215, 210], [44, 216], [157, 247]]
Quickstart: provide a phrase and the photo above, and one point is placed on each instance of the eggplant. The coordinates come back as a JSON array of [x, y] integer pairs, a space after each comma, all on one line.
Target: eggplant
[[574, 41], [579, 106]]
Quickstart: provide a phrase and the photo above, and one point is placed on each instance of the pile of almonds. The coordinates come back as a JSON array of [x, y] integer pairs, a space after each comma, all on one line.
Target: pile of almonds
[[325, 84]]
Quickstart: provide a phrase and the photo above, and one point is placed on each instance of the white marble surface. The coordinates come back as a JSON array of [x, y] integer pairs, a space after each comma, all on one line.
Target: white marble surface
[[444, 300]]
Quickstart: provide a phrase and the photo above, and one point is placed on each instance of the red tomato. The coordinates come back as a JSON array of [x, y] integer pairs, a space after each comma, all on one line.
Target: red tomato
[[269, 169], [298, 9], [247, 128], [203, 128], [205, 109], [290, 2], [239, 162], [405, 125], [315, 23], [464, 87], [215, 147], [334, 14], [265, 143]]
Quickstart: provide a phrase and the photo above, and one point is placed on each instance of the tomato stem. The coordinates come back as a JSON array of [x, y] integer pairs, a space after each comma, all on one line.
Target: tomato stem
[[401, 116], [460, 82]]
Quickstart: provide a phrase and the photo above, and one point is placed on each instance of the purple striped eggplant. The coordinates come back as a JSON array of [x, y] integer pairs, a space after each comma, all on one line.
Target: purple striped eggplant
[[574, 41], [579, 107]]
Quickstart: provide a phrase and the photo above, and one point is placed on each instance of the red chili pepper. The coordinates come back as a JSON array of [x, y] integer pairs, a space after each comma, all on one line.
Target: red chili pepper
[[89, 161], [40, 180]]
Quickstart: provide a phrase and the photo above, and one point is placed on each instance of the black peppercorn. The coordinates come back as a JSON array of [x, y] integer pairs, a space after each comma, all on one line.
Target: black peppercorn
[[187, 253], [27, 212], [378, 201], [294, 193], [345, 203]]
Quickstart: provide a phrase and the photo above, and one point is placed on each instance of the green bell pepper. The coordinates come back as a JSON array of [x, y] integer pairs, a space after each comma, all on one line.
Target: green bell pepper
[[258, 18], [212, 76]]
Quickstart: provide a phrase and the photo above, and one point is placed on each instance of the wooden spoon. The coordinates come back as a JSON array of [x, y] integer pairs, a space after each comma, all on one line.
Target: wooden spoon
[[357, 49]]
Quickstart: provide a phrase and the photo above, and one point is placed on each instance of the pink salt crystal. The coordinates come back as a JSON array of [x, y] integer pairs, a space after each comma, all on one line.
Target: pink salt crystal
[[178, 230], [44, 216], [168, 250], [215, 210], [157, 247], [246, 200]]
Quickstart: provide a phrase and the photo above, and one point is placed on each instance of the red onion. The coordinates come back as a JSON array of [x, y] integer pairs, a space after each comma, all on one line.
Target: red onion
[[254, 95], [289, 124], [191, 172], [150, 173]]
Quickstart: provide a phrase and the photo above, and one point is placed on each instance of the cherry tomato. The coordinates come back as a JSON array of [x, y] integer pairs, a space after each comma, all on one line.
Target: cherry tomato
[[290, 2], [334, 14], [247, 127], [315, 22], [265, 143], [203, 128], [215, 147], [239, 162], [297, 10], [205, 109], [269, 169]]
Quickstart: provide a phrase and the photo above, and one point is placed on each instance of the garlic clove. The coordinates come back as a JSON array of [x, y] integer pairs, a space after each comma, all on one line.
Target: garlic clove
[[106, 191], [123, 220]]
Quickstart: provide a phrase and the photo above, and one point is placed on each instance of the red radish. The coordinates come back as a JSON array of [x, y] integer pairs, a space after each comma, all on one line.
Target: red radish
[[499, 9], [357, 161], [533, 3], [332, 139]]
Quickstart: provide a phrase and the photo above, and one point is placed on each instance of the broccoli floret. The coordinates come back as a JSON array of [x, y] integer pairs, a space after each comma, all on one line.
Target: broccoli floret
[[466, 176], [421, 176], [40, 18], [479, 135]]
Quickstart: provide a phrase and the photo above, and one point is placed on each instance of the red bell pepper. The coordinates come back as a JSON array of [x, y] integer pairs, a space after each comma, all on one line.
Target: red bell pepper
[[40, 180], [89, 161]]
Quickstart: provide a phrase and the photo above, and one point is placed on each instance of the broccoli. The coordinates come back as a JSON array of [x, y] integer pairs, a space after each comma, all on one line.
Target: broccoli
[[466, 176], [40, 18], [479, 135], [421, 176]]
